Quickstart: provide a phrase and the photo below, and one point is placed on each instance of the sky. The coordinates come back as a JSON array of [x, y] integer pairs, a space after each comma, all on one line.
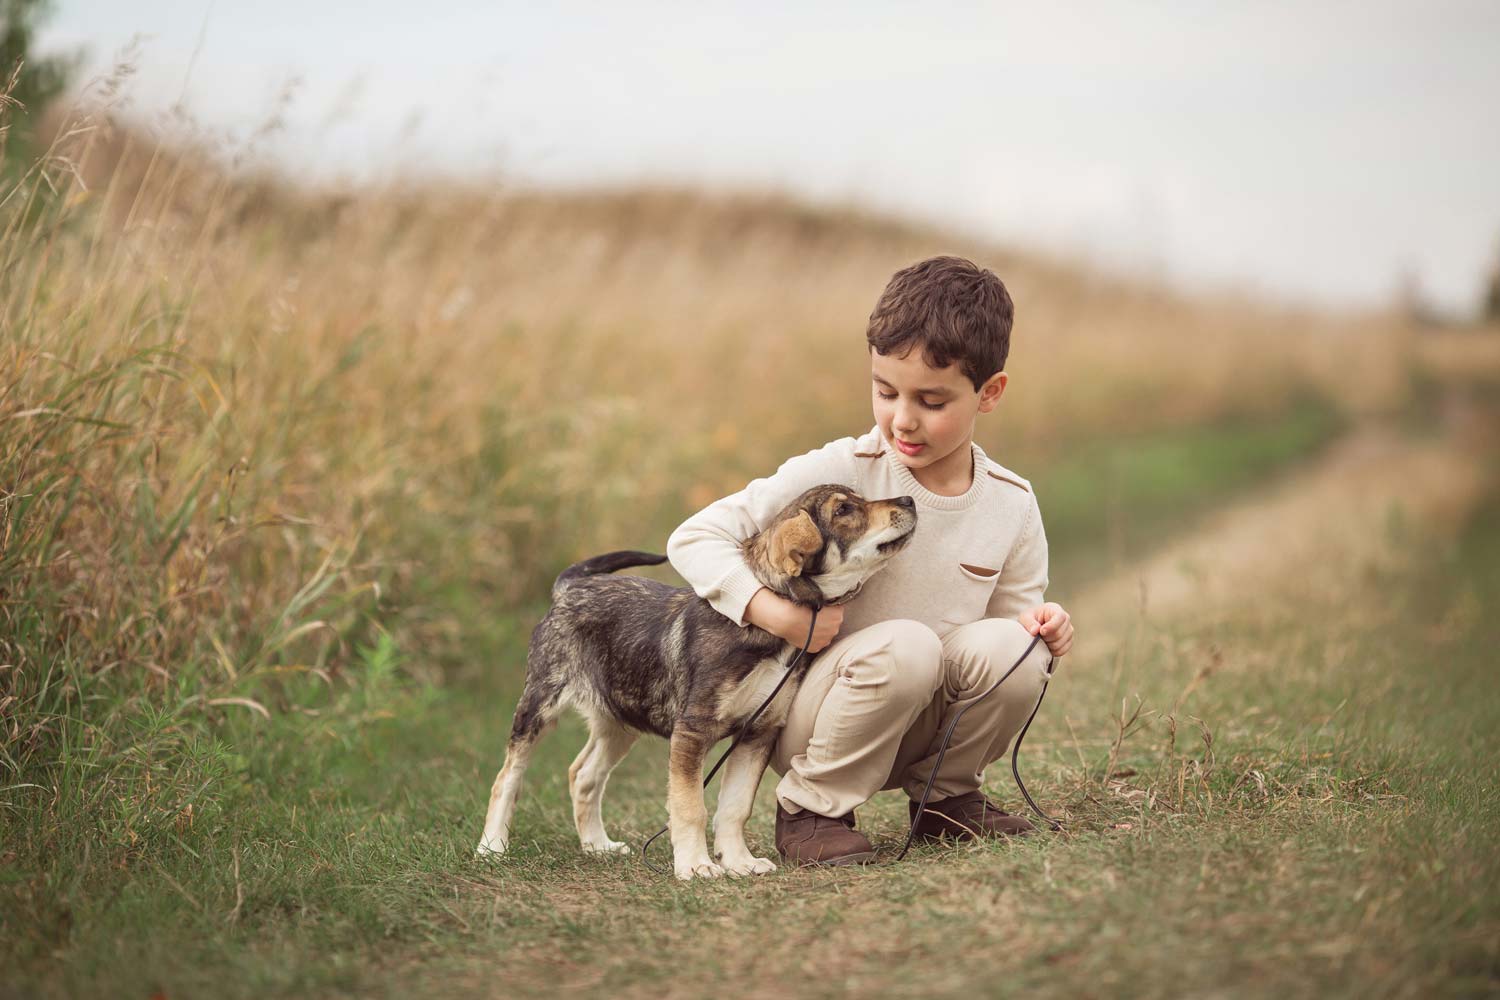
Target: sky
[[1316, 152]]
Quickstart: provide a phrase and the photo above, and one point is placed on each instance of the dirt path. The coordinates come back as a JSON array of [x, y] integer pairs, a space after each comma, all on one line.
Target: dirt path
[[1352, 508]]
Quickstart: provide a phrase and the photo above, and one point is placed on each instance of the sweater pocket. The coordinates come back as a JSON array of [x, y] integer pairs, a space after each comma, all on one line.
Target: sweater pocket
[[969, 592]]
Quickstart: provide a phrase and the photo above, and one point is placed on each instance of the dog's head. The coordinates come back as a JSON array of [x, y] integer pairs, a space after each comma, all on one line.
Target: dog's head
[[826, 543]]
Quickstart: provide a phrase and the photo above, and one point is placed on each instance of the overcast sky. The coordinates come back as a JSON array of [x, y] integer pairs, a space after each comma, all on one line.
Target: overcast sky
[[1313, 150]]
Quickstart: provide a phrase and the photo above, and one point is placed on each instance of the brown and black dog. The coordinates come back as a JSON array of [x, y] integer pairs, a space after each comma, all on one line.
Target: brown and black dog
[[633, 655]]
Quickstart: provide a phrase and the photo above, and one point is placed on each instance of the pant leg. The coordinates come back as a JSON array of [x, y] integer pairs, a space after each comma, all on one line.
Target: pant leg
[[974, 657], [859, 697]]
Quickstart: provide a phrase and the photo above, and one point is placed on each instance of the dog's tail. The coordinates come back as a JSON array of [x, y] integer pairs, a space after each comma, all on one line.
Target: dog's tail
[[607, 563]]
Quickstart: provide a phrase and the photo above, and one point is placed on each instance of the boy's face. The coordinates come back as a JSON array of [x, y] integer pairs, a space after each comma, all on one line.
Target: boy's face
[[927, 414]]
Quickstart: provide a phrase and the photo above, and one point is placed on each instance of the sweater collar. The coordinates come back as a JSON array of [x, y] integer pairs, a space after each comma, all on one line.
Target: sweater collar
[[925, 497]]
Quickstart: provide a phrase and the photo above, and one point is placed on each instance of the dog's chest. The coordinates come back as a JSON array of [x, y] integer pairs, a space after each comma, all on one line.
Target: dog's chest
[[738, 699]]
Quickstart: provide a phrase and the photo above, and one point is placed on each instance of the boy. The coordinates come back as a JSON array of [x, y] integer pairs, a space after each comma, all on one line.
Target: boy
[[944, 619]]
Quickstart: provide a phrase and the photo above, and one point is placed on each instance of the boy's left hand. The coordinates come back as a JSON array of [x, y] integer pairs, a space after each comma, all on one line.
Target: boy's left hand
[[1053, 623]]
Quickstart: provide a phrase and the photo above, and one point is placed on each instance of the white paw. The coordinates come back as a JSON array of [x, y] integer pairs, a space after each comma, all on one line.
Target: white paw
[[606, 847], [490, 847], [749, 866], [698, 869]]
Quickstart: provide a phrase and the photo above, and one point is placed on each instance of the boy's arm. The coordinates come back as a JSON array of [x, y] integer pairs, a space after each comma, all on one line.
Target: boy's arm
[[705, 549], [1023, 578]]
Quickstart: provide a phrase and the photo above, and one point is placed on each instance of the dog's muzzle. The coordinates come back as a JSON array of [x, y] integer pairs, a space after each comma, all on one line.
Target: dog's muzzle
[[843, 599]]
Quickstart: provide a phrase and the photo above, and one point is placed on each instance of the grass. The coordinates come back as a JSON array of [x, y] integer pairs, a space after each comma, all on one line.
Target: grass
[[1324, 832]]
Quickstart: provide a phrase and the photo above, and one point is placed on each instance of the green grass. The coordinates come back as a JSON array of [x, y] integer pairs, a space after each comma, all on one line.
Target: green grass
[[1109, 501], [1304, 805]]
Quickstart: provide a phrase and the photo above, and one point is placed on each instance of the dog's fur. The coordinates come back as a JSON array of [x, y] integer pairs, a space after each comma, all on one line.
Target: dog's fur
[[635, 655]]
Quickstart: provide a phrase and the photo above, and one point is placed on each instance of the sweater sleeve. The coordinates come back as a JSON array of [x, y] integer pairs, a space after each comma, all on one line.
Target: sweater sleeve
[[1023, 578], [705, 549]]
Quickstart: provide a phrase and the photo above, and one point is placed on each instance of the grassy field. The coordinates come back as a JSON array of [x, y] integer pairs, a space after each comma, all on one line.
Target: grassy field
[[1301, 805], [286, 474]]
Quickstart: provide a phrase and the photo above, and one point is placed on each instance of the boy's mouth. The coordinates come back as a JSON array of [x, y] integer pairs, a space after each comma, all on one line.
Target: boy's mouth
[[907, 448]]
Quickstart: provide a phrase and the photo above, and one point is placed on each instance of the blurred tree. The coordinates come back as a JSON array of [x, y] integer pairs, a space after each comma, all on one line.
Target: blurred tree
[[29, 81], [1491, 312]]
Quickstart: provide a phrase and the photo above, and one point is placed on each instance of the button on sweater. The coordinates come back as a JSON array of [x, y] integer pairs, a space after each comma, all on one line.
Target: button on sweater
[[982, 554]]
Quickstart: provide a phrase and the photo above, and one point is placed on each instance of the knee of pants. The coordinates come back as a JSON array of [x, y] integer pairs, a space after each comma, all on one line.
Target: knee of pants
[[983, 651], [908, 663]]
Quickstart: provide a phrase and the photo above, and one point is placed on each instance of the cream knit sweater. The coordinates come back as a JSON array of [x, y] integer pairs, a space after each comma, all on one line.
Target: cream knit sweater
[[979, 555]]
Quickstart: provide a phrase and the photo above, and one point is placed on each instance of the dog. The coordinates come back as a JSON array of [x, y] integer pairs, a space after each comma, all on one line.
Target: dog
[[633, 655]]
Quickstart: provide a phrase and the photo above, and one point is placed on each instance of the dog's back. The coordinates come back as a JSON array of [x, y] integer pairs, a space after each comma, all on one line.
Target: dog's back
[[630, 646]]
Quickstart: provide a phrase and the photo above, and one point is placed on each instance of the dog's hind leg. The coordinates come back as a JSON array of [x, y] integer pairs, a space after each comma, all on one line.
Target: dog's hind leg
[[608, 743], [687, 816], [742, 774], [578, 762], [535, 715]]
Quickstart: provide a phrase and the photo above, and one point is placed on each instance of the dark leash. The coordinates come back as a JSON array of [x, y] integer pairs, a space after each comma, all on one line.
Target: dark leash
[[942, 749], [1015, 752], [740, 736]]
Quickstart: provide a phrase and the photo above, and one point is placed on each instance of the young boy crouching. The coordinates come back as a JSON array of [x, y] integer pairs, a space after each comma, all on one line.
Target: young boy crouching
[[945, 618]]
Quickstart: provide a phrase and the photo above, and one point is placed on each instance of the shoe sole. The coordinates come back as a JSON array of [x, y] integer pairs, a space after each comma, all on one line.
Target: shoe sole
[[962, 838], [862, 858]]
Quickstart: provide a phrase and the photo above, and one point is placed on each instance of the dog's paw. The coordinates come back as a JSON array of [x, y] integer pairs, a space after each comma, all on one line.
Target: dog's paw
[[606, 847], [698, 869], [749, 866], [490, 847]]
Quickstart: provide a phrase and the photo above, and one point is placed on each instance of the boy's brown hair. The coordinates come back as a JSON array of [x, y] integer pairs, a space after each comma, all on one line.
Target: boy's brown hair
[[950, 308]]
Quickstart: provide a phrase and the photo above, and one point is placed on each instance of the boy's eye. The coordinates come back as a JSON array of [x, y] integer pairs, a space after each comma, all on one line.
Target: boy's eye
[[925, 405]]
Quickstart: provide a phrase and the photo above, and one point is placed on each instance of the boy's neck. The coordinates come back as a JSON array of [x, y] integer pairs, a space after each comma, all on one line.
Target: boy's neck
[[952, 476]]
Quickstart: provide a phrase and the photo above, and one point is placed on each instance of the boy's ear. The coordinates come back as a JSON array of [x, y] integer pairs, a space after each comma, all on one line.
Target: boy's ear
[[990, 392], [792, 541]]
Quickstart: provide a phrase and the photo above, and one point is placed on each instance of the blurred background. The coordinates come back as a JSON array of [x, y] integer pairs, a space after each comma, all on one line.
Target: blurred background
[[329, 333], [1287, 149]]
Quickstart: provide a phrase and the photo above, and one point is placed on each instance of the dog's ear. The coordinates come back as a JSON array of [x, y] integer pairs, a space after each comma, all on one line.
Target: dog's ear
[[792, 541]]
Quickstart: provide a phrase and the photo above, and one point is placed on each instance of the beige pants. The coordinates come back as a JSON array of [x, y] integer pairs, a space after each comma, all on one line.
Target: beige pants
[[875, 704]]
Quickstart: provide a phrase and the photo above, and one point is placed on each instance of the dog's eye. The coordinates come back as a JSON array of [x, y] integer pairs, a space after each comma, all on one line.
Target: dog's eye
[[842, 509]]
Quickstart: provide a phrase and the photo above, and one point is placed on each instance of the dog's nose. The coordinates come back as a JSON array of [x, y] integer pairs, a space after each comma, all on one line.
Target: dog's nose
[[906, 502]]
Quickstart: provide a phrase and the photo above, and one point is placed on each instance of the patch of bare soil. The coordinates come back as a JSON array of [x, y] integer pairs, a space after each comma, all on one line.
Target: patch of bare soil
[[1367, 499]]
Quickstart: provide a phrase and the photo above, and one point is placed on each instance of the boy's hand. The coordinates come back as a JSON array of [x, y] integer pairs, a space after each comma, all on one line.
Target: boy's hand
[[1053, 623], [789, 621]]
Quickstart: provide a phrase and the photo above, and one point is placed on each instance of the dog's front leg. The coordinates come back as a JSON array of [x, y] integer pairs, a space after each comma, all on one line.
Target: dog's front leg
[[687, 816], [742, 773]]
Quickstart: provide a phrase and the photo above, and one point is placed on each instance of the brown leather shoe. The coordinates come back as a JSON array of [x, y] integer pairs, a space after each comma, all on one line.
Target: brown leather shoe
[[807, 838], [966, 816]]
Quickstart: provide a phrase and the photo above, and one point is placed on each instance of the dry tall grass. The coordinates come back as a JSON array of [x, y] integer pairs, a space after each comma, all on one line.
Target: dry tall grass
[[235, 413]]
